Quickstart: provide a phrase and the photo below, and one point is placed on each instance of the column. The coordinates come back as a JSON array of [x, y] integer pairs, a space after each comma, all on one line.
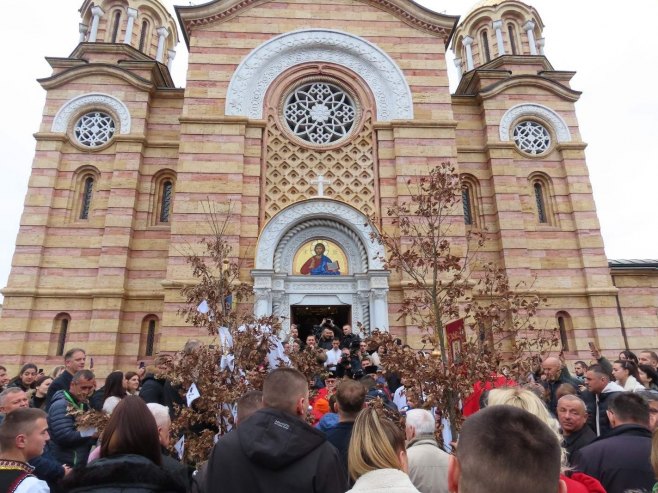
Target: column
[[132, 15], [97, 13], [458, 64], [528, 27], [468, 41], [163, 32], [379, 318], [82, 29], [540, 43], [498, 27], [262, 292], [170, 61]]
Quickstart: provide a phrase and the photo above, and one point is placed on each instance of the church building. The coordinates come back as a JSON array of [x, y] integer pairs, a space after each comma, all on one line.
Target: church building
[[306, 119]]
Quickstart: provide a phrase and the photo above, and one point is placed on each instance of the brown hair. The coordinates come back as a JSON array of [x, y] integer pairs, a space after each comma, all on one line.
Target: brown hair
[[282, 389], [17, 422], [132, 430], [350, 396], [375, 444]]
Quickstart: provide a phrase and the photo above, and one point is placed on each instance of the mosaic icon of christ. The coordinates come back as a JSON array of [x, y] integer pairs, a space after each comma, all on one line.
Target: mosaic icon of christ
[[319, 264]]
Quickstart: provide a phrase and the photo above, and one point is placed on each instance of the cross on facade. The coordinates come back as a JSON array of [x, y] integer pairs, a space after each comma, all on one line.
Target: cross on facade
[[321, 182]]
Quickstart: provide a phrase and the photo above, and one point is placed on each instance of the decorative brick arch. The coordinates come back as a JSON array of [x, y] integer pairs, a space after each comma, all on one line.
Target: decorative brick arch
[[92, 100], [558, 124], [252, 78]]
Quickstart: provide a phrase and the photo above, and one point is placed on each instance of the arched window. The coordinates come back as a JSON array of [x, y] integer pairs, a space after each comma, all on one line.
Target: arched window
[[115, 26], [142, 36], [60, 333], [540, 202], [148, 336], [486, 55], [470, 200], [87, 193], [511, 31], [165, 201], [565, 326], [468, 206]]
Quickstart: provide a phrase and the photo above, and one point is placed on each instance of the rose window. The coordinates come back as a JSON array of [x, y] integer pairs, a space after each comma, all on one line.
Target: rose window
[[319, 112], [94, 129], [531, 137]]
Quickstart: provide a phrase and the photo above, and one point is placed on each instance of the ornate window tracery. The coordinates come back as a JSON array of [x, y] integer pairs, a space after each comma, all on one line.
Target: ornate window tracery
[[532, 137], [319, 112], [95, 128]]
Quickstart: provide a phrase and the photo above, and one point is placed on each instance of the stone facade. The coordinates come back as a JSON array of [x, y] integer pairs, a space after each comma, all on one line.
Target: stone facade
[[99, 261]]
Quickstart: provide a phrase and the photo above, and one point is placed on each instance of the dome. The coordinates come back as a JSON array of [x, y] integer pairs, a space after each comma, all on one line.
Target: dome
[[480, 4]]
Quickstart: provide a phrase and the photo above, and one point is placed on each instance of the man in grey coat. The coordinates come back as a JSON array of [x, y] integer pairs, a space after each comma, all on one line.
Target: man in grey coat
[[428, 464]]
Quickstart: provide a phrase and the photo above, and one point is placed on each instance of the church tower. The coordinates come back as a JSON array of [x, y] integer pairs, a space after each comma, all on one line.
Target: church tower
[[523, 160]]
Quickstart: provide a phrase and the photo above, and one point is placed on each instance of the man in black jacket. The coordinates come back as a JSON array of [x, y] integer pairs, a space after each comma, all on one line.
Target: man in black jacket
[[620, 460], [572, 415], [275, 450], [74, 361], [600, 391], [69, 446]]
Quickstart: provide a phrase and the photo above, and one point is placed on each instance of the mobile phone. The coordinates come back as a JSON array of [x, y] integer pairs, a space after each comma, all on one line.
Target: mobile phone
[[142, 364], [592, 346]]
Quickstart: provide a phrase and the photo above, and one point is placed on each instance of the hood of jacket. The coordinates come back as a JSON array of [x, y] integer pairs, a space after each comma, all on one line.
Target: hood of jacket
[[274, 439], [612, 387]]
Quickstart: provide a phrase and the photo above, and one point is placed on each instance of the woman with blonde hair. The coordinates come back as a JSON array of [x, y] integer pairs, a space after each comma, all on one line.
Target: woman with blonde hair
[[377, 458], [525, 399]]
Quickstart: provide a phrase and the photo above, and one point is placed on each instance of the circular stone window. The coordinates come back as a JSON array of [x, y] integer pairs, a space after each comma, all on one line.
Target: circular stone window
[[94, 129], [319, 113], [531, 137]]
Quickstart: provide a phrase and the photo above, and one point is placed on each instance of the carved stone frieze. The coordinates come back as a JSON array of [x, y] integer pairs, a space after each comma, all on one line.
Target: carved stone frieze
[[252, 78], [92, 101]]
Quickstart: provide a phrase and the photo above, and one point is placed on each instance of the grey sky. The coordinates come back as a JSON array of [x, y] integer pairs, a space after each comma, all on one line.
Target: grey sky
[[611, 45]]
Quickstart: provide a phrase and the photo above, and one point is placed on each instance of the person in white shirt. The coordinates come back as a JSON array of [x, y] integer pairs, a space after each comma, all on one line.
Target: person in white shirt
[[333, 354]]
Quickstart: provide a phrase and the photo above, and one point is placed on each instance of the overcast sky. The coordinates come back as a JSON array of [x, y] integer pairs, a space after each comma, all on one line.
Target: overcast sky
[[612, 46]]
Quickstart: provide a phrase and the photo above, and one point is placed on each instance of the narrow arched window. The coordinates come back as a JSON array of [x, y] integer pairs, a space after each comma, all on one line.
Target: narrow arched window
[[468, 205], [150, 339], [115, 26], [142, 36], [511, 31], [485, 46], [87, 193], [564, 339], [541, 204], [61, 338], [165, 203]]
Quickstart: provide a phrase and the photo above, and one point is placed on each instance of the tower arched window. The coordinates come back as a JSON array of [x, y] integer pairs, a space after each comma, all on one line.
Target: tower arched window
[[60, 333], [116, 22], [511, 31], [143, 36], [87, 195], [540, 202], [148, 336], [165, 201], [565, 327], [486, 54], [468, 205]]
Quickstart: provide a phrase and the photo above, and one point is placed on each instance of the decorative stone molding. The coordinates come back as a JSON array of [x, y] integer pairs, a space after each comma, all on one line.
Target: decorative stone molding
[[92, 101], [252, 78], [560, 127], [301, 212], [321, 228]]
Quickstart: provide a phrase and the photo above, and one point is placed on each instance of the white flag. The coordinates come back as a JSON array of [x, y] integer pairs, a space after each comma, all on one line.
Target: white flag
[[180, 447], [192, 394], [203, 307], [227, 361]]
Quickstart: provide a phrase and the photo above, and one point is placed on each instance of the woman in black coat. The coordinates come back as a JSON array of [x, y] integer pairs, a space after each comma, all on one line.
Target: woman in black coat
[[130, 456]]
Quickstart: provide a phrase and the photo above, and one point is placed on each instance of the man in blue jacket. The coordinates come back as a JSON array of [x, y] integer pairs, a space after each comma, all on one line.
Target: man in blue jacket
[[620, 460], [68, 445]]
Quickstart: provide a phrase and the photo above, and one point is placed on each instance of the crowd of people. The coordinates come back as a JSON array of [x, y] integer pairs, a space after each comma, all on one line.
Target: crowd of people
[[354, 428]]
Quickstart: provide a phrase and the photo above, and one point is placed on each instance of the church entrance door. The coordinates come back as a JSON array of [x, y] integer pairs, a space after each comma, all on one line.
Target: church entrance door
[[309, 317]]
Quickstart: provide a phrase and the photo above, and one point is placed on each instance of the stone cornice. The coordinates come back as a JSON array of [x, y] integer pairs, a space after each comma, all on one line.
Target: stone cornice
[[530, 81], [81, 293], [406, 10], [414, 124], [77, 72]]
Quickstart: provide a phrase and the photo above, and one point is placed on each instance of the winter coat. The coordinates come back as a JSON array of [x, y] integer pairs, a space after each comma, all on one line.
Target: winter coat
[[121, 474], [619, 460], [578, 440], [552, 387], [610, 390], [68, 446], [339, 436], [578, 482], [62, 382], [152, 389], [275, 452], [384, 481], [632, 385], [428, 465]]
